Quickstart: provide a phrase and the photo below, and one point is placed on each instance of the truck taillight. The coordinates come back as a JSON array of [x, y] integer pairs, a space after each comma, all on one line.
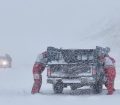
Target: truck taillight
[[93, 70], [48, 71]]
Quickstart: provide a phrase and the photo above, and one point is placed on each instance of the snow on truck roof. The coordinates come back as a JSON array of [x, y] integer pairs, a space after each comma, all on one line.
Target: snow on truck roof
[[69, 55], [74, 55]]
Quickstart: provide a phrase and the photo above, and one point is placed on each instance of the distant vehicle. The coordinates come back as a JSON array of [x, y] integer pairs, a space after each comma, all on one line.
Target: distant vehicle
[[75, 68], [5, 61]]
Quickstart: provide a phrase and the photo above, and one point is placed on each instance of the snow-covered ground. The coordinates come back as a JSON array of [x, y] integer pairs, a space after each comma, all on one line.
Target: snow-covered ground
[[27, 27], [16, 84]]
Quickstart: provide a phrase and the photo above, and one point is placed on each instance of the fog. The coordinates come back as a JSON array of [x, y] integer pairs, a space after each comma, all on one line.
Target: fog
[[27, 27]]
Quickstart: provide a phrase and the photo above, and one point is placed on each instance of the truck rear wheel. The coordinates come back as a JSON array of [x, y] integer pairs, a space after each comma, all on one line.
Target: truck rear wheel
[[97, 87], [58, 87]]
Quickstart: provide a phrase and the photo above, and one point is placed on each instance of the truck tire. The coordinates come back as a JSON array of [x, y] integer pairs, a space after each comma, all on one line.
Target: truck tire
[[97, 87], [58, 87]]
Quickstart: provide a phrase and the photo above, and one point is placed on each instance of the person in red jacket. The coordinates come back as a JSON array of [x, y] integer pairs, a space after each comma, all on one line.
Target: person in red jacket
[[38, 68], [110, 73]]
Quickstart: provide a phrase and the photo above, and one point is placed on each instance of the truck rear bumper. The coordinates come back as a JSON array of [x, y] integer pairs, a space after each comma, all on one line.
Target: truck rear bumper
[[82, 80]]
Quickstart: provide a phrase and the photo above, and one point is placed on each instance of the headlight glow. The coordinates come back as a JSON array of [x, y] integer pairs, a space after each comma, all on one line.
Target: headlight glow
[[4, 62]]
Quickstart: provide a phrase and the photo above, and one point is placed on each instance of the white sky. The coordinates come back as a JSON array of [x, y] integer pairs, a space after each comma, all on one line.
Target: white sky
[[36, 24]]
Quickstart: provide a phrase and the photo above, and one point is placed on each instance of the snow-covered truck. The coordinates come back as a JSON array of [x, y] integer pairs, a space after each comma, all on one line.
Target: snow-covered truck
[[75, 68]]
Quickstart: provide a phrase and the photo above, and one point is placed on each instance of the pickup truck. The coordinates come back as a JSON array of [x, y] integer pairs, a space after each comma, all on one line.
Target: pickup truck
[[75, 68]]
